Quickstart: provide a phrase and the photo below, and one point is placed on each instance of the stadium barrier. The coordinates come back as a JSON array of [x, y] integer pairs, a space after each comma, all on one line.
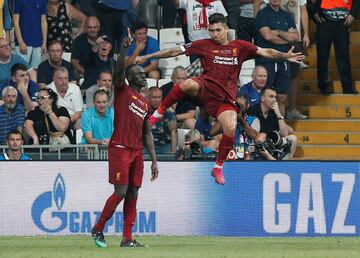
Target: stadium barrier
[[259, 199]]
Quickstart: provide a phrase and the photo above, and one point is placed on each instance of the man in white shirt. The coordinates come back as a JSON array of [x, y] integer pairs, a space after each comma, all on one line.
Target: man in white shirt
[[69, 95]]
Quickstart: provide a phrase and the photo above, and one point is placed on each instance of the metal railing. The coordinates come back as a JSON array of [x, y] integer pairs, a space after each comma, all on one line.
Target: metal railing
[[65, 152]]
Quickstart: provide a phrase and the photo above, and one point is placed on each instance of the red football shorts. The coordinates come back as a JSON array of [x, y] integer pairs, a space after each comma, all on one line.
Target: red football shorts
[[214, 104], [126, 166]]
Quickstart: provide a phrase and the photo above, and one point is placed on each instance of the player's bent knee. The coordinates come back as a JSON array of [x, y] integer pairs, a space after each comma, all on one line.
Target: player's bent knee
[[121, 190], [132, 191]]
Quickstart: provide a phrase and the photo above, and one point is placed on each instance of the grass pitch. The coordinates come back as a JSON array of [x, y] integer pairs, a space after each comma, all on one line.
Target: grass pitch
[[182, 247]]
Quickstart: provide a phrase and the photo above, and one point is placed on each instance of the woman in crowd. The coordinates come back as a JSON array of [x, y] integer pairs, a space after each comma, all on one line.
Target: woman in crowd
[[59, 17], [47, 121]]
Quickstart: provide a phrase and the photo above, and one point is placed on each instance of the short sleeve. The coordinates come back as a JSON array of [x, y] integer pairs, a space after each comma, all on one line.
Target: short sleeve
[[31, 115], [78, 99], [62, 111], [261, 20], [247, 49], [33, 90], [71, 70], [86, 121], [18, 59], [16, 7], [153, 47], [21, 117], [43, 7], [194, 48]]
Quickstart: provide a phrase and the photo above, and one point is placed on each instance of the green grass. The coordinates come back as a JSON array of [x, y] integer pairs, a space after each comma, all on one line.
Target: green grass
[[182, 247]]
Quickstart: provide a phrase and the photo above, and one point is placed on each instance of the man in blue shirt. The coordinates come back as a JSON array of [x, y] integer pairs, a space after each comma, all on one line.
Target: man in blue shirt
[[15, 142], [7, 60], [143, 45], [276, 29], [12, 116], [29, 18], [252, 89], [27, 89], [97, 122]]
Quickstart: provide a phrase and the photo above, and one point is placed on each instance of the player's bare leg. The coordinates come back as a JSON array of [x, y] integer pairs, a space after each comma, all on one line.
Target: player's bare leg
[[227, 119], [188, 88]]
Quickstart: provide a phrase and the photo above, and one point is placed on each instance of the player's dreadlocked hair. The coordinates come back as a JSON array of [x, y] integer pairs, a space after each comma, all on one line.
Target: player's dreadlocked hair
[[217, 18]]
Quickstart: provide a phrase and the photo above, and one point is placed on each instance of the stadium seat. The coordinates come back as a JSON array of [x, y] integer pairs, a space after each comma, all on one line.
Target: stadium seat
[[162, 82], [171, 37], [232, 34], [153, 33], [246, 71], [79, 134], [172, 62], [151, 82]]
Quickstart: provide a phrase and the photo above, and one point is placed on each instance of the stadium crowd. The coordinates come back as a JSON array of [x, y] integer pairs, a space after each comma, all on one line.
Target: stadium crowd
[[58, 62]]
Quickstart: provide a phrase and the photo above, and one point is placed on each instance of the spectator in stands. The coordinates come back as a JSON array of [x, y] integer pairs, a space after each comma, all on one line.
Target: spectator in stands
[[246, 22], [7, 60], [69, 96], [197, 17], [14, 141], [82, 47], [5, 17], [30, 26], [198, 13], [165, 131], [12, 115], [298, 10], [333, 24], [277, 34], [185, 112], [46, 69], [232, 7], [105, 83], [115, 17], [271, 119], [142, 45], [252, 89], [59, 17], [47, 120], [99, 60], [27, 88], [97, 122]]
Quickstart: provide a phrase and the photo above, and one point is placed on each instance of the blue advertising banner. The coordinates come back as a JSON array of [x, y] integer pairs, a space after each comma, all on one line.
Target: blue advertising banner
[[259, 199]]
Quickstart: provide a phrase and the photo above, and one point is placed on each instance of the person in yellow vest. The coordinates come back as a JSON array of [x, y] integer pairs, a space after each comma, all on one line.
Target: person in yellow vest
[[333, 21]]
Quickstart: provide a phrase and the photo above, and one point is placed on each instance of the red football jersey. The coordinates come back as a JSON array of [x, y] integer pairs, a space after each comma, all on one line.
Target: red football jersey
[[221, 63], [131, 110]]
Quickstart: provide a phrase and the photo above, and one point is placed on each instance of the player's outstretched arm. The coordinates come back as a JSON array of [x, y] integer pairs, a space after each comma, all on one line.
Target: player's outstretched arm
[[120, 69], [165, 53], [274, 54], [148, 141]]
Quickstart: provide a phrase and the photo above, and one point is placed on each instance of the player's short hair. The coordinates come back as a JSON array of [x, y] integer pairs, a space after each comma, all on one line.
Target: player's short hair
[[217, 18], [16, 67], [128, 70], [139, 25], [100, 92], [14, 131]]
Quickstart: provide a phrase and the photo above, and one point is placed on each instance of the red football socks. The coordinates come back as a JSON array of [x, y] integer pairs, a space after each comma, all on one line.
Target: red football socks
[[226, 144], [174, 95], [109, 209], [129, 216]]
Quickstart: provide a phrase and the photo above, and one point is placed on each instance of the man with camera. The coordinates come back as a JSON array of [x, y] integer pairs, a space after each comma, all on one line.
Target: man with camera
[[272, 123]]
